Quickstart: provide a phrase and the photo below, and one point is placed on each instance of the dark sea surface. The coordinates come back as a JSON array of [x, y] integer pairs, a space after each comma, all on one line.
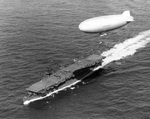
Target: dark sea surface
[[37, 36]]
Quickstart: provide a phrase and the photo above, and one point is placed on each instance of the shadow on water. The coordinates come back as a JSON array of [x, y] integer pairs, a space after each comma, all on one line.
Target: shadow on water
[[56, 98]]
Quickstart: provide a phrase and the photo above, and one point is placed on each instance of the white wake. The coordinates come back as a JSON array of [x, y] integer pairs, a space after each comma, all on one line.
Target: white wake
[[127, 48]]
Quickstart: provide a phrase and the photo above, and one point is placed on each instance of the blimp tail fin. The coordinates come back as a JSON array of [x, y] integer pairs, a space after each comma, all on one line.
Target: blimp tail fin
[[128, 16], [126, 13]]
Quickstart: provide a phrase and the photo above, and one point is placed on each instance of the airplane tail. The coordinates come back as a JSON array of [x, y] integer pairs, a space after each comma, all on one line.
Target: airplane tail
[[128, 16]]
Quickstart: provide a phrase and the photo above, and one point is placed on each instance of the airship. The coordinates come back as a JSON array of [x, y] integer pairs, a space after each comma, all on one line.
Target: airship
[[103, 24]]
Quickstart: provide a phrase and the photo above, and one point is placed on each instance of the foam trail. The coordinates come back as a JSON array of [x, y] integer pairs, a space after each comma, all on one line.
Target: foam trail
[[127, 48]]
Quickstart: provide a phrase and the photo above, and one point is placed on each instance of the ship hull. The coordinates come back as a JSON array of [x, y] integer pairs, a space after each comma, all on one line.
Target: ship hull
[[70, 83], [63, 79], [28, 100]]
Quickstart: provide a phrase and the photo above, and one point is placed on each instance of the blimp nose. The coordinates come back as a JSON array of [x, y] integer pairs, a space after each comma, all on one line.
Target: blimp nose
[[82, 27]]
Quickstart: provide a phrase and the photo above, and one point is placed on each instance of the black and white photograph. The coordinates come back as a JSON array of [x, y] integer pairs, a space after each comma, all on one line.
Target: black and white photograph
[[74, 59]]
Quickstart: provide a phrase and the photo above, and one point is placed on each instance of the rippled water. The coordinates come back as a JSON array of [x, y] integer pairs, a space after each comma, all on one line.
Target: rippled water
[[42, 35]]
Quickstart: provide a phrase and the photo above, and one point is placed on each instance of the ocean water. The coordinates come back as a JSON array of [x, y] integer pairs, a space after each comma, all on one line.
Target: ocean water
[[41, 36]]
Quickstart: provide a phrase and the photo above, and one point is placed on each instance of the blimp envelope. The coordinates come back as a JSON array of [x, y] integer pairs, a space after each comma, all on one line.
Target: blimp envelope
[[105, 23]]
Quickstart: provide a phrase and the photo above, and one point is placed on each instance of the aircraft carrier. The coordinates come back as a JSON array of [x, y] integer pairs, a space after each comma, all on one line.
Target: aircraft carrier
[[63, 79]]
